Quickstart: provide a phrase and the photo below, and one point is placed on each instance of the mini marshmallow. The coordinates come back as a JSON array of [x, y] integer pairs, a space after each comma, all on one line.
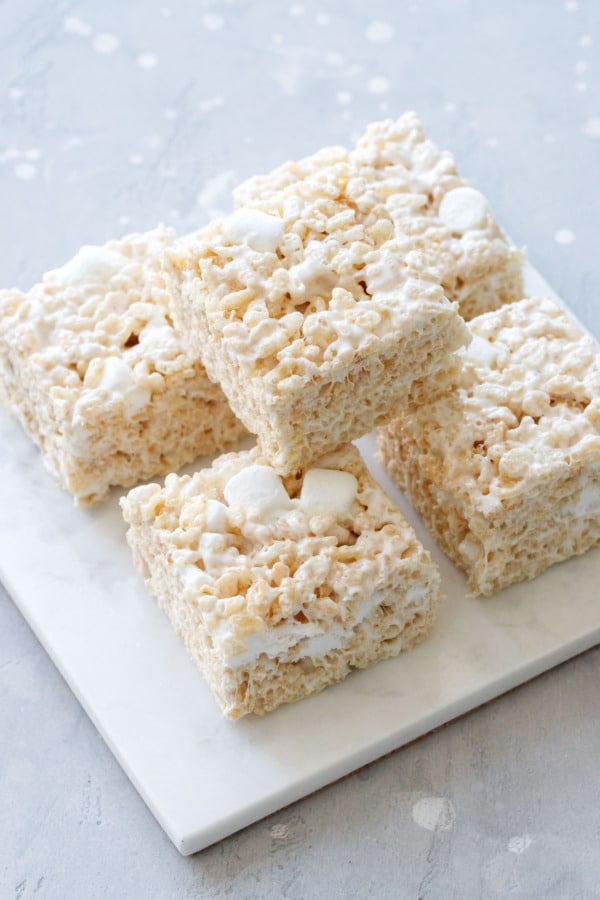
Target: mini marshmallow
[[118, 378], [328, 491], [462, 209], [154, 335], [216, 516], [91, 265], [116, 375], [481, 352], [311, 273], [257, 490], [193, 577], [211, 544], [260, 231]]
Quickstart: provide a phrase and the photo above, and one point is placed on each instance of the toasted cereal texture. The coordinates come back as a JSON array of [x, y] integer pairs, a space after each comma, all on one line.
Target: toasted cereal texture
[[275, 606], [91, 366], [480, 268], [315, 318], [505, 470]]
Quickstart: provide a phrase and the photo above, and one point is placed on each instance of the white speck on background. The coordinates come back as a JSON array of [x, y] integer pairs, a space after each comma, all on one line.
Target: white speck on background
[[434, 814], [519, 843], [581, 86], [585, 40], [549, 139], [167, 170], [166, 12], [105, 43], [580, 67], [290, 76], [379, 32], [492, 142], [25, 171], [591, 128], [9, 154], [213, 21], [72, 142], [215, 197], [136, 159], [152, 141], [147, 60], [170, 112], [344, 97], [379, 85], [280, 831], [322, 19], [174, 214], [76, 25], [210, 103], [278, 38], [345, 114], [123, 220], [334, 58], [449, 107], [571, 6], [564, 236], [33, 153], [383, 107], [15, 93], [296, 10]]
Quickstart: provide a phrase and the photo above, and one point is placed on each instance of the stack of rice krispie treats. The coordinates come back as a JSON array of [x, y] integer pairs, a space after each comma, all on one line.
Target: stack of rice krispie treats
[[353, 289]]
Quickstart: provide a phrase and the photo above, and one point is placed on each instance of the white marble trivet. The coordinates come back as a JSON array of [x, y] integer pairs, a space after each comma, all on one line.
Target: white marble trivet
[[202, 776]]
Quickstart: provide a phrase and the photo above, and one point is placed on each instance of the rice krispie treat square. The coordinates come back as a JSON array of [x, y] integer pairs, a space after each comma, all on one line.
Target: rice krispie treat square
[[505, 470], [281, 587], [316, 319], [91, 366], [428, 200]]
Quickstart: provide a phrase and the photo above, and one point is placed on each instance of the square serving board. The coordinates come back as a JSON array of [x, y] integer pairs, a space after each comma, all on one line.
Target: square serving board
[[204, 777]]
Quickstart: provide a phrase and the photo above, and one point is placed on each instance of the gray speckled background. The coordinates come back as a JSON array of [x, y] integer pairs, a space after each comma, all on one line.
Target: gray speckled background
[[115, 116]]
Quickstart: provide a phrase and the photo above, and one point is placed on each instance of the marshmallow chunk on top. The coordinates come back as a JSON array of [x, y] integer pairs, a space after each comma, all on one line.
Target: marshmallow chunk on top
[[463, 208], [259, 230], [258, 490], [328, 491], [92, 265]]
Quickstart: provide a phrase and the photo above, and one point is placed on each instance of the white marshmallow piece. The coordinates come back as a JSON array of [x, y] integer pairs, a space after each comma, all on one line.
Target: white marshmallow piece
[[258, 491], [481, 352], [195, 578], [216, 516], [116, 375], [258, 230], [117, 378], [91, 265], [155, 335], [462, 209], [328, 491]]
